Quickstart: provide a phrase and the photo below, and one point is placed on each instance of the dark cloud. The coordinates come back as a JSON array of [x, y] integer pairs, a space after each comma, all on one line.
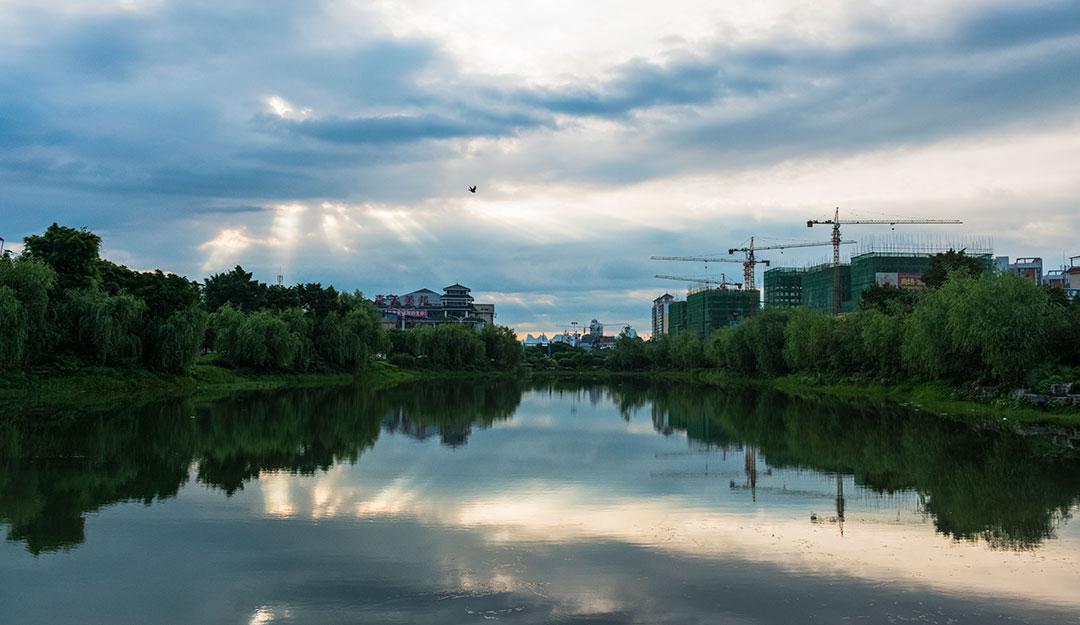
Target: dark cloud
[[152, 122]]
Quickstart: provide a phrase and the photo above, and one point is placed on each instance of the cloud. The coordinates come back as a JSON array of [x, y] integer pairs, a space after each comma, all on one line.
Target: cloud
[[180, 129]]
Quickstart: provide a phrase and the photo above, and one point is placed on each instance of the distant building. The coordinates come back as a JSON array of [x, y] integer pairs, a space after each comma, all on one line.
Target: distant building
[[1072, 274], [426, 307], [536, 341], [1067, 278], [486, 312], [783, 286], [1027, 268], [813, 286], [707, 310], [660, 313], [566, 338]]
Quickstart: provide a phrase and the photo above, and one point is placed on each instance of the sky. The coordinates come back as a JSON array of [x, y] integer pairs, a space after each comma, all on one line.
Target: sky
[[332, 141]]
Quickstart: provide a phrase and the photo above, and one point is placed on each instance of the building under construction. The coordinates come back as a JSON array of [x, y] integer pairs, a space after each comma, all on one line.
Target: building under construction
[[708, 309], [877, 264]]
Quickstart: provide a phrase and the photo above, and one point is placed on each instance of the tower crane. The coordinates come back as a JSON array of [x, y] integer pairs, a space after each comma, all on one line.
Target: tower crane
[[709, 259], [722, 283], [751, 260], [748, 264], [835, 223]]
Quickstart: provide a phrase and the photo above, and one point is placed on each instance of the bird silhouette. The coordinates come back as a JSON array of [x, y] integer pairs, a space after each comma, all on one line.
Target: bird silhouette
[[472, 189]]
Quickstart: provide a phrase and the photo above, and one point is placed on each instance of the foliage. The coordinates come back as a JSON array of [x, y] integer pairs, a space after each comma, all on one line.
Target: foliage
[[105, 328], [946, 263], [658, 351], [687, 352], [13, 333], [163, 293], [501, 347], [73, 254], [29, 282], [449, 346], [628, 354], [887, 298], [237, 288], [174, 342], [259, 340], [991, 328]]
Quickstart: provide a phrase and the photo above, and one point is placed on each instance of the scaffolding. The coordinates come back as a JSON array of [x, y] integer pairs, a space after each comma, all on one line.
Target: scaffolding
[[707, 310], [818, 284], [901, 269], [924, 245], [783, 286], [900, 262]]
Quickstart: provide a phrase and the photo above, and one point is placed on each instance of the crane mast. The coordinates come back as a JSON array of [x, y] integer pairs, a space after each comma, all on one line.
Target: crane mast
[[836, 241]]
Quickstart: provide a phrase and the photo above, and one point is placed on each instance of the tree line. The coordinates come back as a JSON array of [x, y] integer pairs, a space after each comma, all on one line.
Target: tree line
[[968, 327], [63, 307]]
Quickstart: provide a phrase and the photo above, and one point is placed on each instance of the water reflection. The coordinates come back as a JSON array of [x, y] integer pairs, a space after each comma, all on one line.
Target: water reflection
[[1005, 490], [54, 470], [450, 501]]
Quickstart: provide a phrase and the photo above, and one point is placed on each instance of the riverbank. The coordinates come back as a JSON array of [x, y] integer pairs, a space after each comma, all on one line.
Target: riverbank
[[102, 387], [937, 399], [99, 387]]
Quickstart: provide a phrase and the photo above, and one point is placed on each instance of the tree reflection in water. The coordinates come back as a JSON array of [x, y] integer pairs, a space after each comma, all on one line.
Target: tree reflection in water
[[975, 485]]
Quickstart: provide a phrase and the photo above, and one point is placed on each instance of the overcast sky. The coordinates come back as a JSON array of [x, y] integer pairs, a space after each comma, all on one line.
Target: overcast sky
[[335, 139]]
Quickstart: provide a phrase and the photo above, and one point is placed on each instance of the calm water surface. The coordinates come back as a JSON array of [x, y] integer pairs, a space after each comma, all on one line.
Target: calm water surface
[[463, 503]]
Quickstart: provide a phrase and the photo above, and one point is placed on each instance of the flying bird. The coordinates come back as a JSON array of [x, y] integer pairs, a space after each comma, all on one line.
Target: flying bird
[[472, 189]]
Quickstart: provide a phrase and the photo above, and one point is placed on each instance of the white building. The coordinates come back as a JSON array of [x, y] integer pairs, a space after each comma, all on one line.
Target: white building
[[659, 314]]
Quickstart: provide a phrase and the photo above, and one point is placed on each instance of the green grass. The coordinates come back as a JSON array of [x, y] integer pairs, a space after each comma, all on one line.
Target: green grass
[[937, 399], [102, 387]]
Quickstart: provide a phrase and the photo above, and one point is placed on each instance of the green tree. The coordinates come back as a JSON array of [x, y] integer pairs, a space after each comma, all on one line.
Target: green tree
[[887, 299], [450, 346], [174, 342], [13, 334], [501, 347], [73, 254], [628, 354], [881, 337], [236, 287], [30, 281], [990, 328], [163, 293], [257, 340], [952, 261], [106, 327], [687, 351], [658, 352]]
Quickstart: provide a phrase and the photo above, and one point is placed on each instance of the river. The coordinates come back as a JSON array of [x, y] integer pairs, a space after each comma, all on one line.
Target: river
[[465, 502]]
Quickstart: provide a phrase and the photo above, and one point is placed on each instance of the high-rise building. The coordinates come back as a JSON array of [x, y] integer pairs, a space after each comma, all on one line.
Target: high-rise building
[[660, 314]]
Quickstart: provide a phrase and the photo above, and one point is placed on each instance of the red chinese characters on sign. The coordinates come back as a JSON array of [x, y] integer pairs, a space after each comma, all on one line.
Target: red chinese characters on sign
[[409, 300], [425, 300], [380, 300], [910, 281]]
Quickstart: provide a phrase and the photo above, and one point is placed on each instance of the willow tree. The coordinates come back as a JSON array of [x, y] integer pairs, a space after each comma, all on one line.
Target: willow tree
[[176, 340], [13, 333], [30, 281]]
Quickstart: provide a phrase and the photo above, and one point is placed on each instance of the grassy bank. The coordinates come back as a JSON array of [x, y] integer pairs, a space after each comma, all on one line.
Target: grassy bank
[[937, 399], [101, 387]]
